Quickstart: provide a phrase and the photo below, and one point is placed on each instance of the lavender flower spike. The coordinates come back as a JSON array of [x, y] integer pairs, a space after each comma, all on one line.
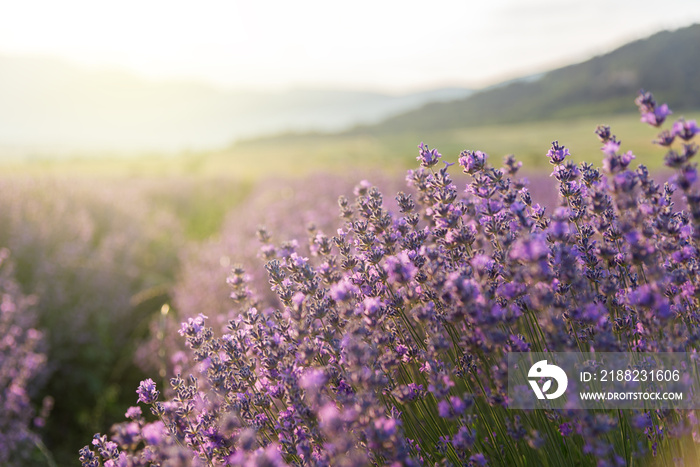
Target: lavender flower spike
[[657, 116], [147, 391], [651, 113], [557, 153], [427, 157], [685, 130]]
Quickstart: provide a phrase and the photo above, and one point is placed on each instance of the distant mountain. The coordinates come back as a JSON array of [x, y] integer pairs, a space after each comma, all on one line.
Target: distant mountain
[[666, 64], [49, 106]]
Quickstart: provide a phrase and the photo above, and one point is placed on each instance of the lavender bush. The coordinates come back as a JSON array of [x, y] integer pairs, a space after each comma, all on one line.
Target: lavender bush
[[22, 368], [388, 341], [96, 256], [290, 209]]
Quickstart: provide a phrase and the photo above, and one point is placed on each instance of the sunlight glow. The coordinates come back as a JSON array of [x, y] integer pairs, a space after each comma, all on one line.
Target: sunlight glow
[[388, 45]]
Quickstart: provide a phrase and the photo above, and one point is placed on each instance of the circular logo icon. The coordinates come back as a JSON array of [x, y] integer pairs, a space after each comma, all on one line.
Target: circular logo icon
[[542, 371]]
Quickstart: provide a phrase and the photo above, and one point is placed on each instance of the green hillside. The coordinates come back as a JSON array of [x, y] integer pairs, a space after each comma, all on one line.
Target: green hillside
[[665, 63]]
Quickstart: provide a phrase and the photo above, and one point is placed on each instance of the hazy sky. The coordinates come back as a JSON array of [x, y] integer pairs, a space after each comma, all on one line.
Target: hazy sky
[[361, 44]]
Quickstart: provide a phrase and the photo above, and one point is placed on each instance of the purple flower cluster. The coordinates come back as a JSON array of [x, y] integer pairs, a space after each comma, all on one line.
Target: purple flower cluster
[[427, 157], [291, 210], [653, 114], [387, 341]]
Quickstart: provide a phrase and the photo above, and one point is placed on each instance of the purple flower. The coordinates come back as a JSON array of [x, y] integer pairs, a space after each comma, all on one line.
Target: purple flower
[[444, 409], [362, 188], [427, 157], [120, 461], [330, 418], [463, 439], [557, 153], [626, 158], [482, 262], [531, 250], [313, 379], [297, 262], [147, 391], [127, 434], [603, 132], [645, 101], [685, 130], [656, 116], [88, 458], [689, 150], [451, 408], [133, 413], [193, 326], [472, 161], [565, 429], [611, 146], [642, 421], [565, 172], [400, 268], [154, 432], [665, 138], [594, 313], [386, 426], [371, 305], [298, 299], [687, 175], [343, 290], [511, 290]]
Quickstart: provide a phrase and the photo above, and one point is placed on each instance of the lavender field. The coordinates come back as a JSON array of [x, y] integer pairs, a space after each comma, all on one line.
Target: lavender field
[[360, 317]]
